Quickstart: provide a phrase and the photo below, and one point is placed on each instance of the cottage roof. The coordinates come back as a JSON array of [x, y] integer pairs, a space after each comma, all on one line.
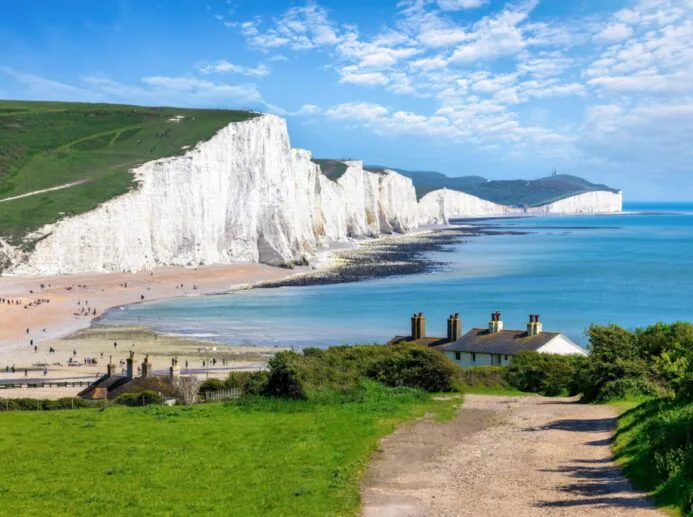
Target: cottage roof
[[503, 342], [424, 341]]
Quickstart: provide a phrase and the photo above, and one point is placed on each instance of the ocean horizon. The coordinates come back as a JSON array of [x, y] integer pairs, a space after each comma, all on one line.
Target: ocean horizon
[[629, 269]]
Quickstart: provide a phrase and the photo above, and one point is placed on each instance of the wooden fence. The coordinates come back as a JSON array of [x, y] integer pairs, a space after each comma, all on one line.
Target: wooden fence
[[232, 393]]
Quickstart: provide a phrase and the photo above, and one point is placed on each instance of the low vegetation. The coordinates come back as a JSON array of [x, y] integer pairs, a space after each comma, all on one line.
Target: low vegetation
[[296, 443], [48, 144], [254, 456]]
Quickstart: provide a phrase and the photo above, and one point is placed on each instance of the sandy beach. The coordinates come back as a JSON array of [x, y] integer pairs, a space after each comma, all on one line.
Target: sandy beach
[[41, 317]]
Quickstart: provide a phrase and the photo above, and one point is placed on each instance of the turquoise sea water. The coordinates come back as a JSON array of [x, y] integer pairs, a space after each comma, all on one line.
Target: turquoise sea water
[[630, 269]]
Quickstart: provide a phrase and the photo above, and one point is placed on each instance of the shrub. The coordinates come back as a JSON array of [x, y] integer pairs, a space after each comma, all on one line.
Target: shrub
[[340, 369], [143, 398], [211, 385], [27, 404], [484, 377], [250, 383], [415, 367], [295, 376], [547, 374]]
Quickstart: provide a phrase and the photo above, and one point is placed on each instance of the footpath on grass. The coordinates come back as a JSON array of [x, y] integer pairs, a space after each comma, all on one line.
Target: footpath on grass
[[504, 456]]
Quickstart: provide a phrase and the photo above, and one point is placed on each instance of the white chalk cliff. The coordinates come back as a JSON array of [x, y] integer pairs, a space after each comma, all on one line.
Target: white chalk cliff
[[246, 195]]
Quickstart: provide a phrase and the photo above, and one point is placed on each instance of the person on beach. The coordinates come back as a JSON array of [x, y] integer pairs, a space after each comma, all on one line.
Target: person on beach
[[26, 372], [115, 345]]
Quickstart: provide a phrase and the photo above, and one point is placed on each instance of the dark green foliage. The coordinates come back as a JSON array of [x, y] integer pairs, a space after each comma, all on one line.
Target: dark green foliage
[[546, 374], [650, 361], [415, 367], [27, 404], [484, 377], [333, 169], [339, 369], [142, 398], [250, 383], [212, 385], [654, 441]]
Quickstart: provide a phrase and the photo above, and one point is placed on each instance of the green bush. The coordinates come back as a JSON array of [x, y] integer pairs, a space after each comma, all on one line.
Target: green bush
[[339, 369], [250, 383], [296, 376], [143, 398], [415, 367], [27, 404], [484, 377], [211, 385], [655, 442], [546, 374]]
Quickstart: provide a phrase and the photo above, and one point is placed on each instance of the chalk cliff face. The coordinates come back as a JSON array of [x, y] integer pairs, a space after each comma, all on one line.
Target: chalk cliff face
[[246, 195], [442, 205], [600, 201]]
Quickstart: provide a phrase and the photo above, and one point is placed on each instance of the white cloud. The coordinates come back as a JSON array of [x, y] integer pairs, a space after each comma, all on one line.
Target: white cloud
[[614, 32], [224, 67], [366, 78], [456, 5]]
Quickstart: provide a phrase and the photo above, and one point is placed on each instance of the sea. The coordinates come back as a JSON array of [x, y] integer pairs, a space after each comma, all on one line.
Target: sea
[[632, 269]]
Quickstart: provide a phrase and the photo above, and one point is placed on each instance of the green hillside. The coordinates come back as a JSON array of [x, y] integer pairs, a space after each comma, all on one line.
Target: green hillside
[[507, 192], [45, 145]]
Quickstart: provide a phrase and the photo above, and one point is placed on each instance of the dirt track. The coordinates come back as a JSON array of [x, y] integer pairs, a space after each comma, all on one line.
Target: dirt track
[[503, 456]]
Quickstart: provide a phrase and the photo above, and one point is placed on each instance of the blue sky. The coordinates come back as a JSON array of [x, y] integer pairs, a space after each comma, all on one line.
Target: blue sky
[[597, 88]]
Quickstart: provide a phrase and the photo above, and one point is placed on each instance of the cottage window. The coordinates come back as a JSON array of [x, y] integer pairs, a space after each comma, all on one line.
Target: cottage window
[[473, 357], [506, 357], [458, 355]]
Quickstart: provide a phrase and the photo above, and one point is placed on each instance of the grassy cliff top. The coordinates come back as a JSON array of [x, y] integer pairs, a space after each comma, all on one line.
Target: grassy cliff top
[[89, 150]]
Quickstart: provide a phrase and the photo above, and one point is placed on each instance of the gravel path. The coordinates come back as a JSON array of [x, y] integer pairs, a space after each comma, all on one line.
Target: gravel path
[[503, 456]]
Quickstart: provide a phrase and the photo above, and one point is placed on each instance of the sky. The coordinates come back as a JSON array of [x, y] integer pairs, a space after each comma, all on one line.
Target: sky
[[602, 89]]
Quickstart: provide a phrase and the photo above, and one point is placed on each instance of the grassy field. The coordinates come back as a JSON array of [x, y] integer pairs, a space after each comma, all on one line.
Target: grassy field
[[262, 457], [49, 144]]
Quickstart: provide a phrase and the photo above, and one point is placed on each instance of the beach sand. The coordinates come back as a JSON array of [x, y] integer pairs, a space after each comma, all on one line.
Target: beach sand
[[51, 310]]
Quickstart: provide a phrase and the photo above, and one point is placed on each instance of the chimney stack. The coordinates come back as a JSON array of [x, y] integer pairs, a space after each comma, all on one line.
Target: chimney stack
[[146, 367], [454, 327], [110, 367], [534, 327], [174, 370], [130, 361], [496, 324]]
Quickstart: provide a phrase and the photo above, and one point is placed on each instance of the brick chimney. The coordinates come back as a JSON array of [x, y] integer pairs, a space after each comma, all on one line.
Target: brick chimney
[[418, 326], [534, 327], [454, 327], [130, 362], [110, 367], [496, 324], [146, 367]]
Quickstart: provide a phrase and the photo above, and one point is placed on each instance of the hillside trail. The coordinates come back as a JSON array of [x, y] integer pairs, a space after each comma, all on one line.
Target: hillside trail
[[42, 191], [503, 456]]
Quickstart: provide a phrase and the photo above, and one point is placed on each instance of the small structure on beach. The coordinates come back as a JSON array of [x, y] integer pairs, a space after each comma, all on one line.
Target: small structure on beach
[[493, 345], [110, 385]]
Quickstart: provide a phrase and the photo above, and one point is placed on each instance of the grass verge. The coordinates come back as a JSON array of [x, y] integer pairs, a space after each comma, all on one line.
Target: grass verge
[[256, 456], [653, 445]]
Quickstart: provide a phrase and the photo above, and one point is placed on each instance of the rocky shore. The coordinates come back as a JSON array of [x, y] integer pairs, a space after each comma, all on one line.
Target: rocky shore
[[392, 256]]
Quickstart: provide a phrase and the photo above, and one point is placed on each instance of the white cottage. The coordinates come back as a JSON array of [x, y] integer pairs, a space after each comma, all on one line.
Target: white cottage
[[495, 346]]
